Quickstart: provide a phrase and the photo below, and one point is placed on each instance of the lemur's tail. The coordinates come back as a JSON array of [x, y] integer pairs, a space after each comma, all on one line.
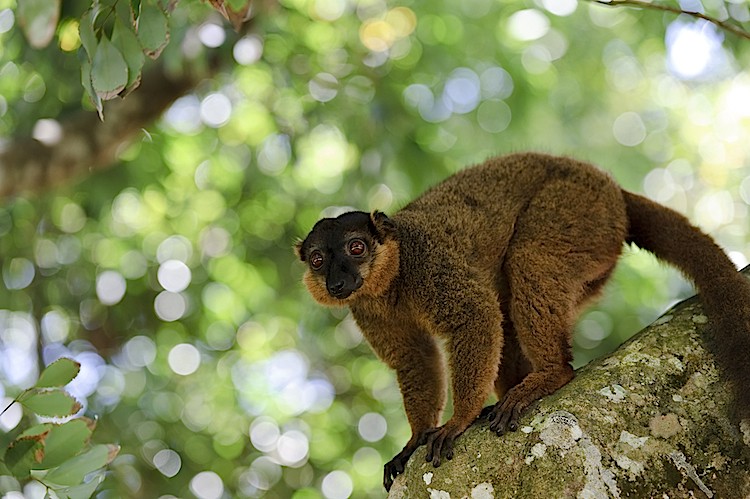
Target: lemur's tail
[[725, 293]]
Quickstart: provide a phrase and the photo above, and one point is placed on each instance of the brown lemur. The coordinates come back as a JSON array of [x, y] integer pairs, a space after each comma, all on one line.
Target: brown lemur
[[497, 261]]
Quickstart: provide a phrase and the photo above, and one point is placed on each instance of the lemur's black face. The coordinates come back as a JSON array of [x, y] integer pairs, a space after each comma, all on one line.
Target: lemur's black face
[[339, 253], [335, 250]]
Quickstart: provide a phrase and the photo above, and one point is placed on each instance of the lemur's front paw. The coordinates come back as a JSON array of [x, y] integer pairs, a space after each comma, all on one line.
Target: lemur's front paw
[[392, 469], [440, 442], [395, 466]]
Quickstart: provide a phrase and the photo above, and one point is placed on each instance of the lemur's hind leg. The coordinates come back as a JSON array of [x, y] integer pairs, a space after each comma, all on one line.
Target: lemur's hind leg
[[514, 366], [552, 269]]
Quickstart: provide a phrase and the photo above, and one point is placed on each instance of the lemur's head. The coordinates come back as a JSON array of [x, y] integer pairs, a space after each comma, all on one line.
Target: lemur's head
[[350, 256]]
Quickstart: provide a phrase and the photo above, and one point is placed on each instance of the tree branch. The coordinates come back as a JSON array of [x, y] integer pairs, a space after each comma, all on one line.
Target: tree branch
[[729, 27], [87, 144]]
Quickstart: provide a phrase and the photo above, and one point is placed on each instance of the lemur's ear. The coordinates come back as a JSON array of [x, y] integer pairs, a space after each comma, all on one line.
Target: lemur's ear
[[382, 225], [298, 249]]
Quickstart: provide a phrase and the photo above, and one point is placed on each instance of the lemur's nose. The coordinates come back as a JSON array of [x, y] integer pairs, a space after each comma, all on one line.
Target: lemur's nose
[[335, 287]]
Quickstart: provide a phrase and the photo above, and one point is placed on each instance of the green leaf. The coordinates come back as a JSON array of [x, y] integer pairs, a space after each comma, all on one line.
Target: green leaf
[[109, 73], [96, 101], [125, 13], [59, 373], [153, 30], [124, 39], [52, 403], [65, 441], [34, 431], [25, 453], [38, 20], [83, 491], [86, 33], [72, 471], [59, 441]]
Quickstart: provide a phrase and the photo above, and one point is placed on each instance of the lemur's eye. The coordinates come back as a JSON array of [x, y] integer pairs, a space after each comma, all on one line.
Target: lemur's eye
[[357, 247], [316, 260]]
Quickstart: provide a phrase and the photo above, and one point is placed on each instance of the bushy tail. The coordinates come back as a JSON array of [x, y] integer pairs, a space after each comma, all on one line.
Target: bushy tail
[[725, 292]]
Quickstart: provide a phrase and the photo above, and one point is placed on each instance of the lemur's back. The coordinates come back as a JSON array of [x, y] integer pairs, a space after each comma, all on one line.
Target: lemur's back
[[478, 207]]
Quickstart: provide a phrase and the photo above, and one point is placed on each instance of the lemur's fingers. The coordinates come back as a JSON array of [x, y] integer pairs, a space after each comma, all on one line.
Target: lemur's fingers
[[440, 442]]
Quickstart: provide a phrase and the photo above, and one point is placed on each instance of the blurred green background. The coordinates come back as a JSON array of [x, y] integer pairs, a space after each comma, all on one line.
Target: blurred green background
[[170, 276]]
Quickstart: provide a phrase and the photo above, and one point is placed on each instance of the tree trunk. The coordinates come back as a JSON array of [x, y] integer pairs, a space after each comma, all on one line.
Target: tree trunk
[[649, 420], [88, 144]]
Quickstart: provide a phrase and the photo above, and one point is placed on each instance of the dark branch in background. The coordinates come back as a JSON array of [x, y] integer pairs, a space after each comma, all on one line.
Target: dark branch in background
[[87, 144], [729, 27]]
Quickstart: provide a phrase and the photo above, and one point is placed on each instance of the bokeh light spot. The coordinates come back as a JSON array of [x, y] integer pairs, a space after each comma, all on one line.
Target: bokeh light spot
[[264, 473], [367, 461], [174, 248], [527, 25], [324, 155], [216, 109], [110, 287], [264, 433], [207, 485], [140, 351], [215, 241], [372, 427], [55, 326], [18, 273], [111, 386], [211, 35], [274, 155], [379, 34], [174, 275], [184, 115], [170, 306], [494, 116], [168, 462], [629, 129], [133, 264], [7, 20], [337, 485], [292, 447], [329, 10], [323, 87], [461, 94], [248, 50], [560, 8], [12, 416], [693, 49], [47, 131], [496, 83], [184, 359]]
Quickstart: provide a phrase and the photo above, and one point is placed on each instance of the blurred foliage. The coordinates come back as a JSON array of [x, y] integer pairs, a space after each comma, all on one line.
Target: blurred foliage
[[171, 279]]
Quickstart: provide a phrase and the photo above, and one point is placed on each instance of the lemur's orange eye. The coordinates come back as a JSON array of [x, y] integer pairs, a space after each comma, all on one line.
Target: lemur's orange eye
[[316, 260], [357, 247]]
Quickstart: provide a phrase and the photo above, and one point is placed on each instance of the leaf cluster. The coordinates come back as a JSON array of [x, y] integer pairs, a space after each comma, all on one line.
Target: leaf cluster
[[59, 455], [116, 36]]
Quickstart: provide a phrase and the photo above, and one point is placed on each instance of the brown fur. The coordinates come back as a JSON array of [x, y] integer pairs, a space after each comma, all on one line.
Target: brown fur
[[497, 261]]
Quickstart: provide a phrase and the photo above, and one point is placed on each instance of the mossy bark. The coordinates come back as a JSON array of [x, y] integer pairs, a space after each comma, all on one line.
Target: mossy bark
[[650, 420]]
